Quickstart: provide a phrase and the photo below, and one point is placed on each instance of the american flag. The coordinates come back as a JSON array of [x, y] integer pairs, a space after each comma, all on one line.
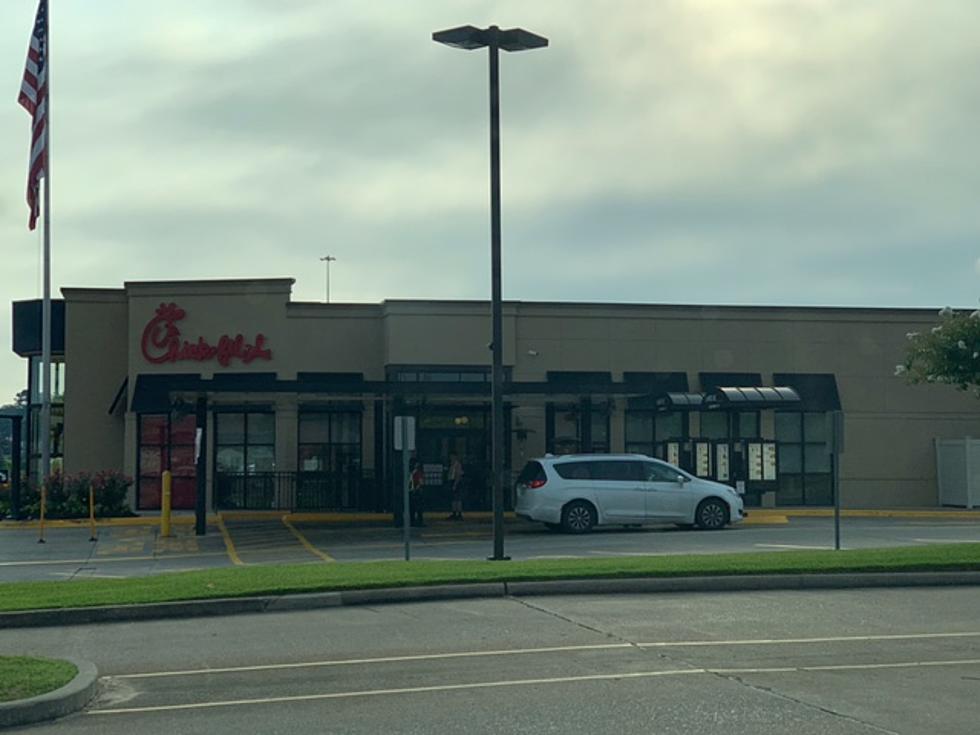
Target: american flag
[[34, 98]]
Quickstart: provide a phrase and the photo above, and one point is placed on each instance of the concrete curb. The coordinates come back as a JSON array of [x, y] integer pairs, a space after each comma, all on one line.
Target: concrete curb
[[70, 698], [319, 600]]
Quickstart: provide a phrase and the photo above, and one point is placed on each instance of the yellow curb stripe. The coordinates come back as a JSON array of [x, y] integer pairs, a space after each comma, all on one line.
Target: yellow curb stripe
[[873, 513], [303, 540], [141, 521], [229, 544], [763, 520], [107, 559]]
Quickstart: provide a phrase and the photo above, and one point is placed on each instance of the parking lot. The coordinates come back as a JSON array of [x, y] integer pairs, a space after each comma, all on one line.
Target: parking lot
[[139, 550]]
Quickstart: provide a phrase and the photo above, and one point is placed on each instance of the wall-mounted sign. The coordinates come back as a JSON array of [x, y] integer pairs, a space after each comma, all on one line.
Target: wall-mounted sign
[[162, 342], [702, 454], [674, 453], [755, 461], [721, 462], [769, 461]]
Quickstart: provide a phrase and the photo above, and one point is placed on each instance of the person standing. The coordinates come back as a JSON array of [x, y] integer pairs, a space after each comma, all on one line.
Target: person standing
[[416, 480], [455, 480]]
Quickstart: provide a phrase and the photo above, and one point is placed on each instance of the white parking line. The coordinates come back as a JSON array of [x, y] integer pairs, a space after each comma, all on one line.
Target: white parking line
[[549, 649], [383, 660], [526, 682], [826, 639]]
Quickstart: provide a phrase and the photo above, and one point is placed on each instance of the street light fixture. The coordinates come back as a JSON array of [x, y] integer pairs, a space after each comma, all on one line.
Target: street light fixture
[[512, 39], [328, 259]]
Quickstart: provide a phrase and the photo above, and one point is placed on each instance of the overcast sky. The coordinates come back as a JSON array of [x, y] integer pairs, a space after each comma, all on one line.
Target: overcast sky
[[820, 152]]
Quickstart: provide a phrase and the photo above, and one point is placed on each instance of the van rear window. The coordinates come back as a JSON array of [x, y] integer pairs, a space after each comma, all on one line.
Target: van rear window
[[532, 471]]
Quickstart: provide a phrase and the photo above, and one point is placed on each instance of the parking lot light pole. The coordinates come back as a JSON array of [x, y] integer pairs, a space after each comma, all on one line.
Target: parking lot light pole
[[512, 39]]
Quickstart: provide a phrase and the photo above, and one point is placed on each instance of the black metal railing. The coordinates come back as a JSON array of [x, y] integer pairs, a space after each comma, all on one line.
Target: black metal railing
[[295, 491]]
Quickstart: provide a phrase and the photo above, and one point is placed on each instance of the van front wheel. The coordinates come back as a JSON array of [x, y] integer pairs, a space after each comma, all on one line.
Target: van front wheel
[[578, 517], [712, 514]]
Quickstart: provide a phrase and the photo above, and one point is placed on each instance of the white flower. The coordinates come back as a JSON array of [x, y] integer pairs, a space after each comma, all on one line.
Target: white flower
[[911, 335], [976, 355], [961, 344], [946, 311], [900, 370], [937, 330]]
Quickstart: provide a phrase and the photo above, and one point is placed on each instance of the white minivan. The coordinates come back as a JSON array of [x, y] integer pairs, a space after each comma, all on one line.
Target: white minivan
[[574, 493]]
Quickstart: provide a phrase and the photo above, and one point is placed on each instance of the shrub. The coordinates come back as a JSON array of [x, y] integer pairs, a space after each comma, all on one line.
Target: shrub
[[68, 496]]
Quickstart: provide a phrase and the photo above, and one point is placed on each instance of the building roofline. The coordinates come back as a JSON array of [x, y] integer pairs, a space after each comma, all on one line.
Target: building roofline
[[288, 282], [921, 310]]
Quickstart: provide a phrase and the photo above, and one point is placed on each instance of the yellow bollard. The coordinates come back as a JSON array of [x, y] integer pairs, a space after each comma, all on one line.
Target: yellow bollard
[[165, 505], [91, 514], [44, 502]]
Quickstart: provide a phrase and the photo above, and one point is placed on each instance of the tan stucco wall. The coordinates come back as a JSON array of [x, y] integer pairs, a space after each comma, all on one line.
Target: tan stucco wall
[[95, 363], [890, 426]]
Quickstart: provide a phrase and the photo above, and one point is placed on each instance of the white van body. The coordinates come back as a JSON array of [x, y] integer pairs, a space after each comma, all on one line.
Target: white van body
[[580, 491]]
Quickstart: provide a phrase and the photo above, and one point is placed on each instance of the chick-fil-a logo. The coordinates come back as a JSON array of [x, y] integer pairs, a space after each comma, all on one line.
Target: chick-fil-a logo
[[162, 342]]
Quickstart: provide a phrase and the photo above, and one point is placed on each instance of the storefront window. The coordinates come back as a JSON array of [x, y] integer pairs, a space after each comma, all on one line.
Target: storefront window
[[648, 431], [329, 459], [567, 429], [329, 441], [714, 425], [804, 460], [245, 442]]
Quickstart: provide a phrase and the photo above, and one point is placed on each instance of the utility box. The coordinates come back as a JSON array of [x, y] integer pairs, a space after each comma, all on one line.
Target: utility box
[[958, 472]]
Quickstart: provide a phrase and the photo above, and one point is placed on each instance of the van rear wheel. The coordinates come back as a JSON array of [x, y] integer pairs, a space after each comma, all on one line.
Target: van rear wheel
[[578, 517]]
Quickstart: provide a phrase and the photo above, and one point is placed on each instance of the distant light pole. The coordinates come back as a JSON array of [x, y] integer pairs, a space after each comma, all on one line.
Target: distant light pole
[[328, 259], [512, 39]]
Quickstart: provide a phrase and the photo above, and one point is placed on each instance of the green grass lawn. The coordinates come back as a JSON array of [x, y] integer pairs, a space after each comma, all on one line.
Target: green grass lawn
[[22, 677], [276, 580]]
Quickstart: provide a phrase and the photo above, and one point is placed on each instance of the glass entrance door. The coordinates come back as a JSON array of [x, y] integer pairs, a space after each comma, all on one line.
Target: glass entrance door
[[465, 432]]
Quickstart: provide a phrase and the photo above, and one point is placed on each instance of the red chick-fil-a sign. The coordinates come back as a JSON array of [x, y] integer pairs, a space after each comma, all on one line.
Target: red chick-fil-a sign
[[162, 342]]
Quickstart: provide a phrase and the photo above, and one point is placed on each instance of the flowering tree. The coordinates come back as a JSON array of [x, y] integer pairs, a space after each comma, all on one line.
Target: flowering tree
[[948, 353]]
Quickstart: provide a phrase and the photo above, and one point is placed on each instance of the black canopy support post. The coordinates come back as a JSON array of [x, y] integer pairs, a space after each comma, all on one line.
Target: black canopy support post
[[201, 471], [585, 419], [15, 472], [380, 467], [549, 428]]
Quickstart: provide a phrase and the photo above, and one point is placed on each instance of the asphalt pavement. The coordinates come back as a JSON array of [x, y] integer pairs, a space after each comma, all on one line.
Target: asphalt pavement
[[843, 661], [137, 551]]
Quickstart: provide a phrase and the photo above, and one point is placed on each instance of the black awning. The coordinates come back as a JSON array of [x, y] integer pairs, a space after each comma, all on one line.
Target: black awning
[[680, 402], [712, 381], [152, 392], [729, 398], [818, 391], [258, 382], [120, 396]]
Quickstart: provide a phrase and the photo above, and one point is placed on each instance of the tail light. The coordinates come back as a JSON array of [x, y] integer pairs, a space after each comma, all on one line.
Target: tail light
[[535, 484]]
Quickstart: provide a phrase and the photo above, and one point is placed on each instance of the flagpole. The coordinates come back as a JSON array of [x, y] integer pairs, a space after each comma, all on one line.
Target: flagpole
[[46, 304]]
